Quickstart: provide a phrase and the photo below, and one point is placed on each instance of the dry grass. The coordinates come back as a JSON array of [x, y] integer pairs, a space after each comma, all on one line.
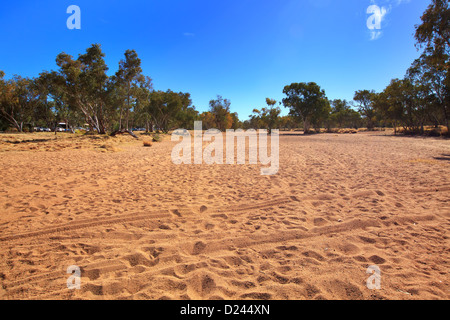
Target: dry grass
[[48, 141], [62, 141], [439, 131], [352, 131]]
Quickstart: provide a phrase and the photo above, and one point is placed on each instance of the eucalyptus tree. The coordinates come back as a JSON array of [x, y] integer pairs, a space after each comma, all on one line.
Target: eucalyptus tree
[[83, 83], [266, 118], [307, 102], [18, 99], [164, 107], [433, 35], [128, 78], [365, 101], [219, 108]]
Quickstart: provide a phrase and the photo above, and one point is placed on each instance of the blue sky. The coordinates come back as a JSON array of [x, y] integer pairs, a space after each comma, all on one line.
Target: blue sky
[[244, 50]]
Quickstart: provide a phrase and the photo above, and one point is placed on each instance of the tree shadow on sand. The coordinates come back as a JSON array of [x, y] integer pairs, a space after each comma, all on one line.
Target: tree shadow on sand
[[27, 141], [444, 157]]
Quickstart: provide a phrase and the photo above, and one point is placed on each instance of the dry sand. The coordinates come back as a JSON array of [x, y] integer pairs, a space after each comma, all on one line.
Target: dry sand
[[140, 227]]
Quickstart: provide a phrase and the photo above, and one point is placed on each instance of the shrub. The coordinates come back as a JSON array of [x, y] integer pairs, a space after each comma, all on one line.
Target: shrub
[[157, 138]]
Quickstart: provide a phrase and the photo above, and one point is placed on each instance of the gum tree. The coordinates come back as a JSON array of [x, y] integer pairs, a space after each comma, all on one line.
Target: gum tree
[[267, 118], [127, 80], [220, 111], [83, 82], [433, 34], [307, 102], [17, 101], [365, 100]]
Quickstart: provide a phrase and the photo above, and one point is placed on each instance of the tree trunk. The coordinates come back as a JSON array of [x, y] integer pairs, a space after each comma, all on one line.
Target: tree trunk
[[306, 126], [120, 117], [128, 103], [123, 132], [370, 125], [11, 120]]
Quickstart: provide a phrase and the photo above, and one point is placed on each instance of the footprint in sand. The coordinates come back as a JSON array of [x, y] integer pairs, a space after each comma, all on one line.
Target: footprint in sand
[[314, 255], [222, 215], [209, 226], [318, 222], [377, 259], [360, 258], [198, 248], [256, 296], [202, 284]]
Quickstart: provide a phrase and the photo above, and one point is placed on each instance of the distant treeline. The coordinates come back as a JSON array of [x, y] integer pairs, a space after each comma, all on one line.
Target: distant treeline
[[81, 94], [421, 98]]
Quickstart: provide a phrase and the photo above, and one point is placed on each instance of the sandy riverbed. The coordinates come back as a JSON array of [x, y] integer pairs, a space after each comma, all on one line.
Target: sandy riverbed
[[141, 227]]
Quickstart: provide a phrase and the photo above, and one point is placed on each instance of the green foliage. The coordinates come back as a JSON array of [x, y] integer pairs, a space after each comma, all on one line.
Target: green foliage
[[307, 102], [365, 100], [266, 118], [81, 84], [343, 116], [433, 34], [423, 96], [168, 109], [81, 93], [127, 83], [401, 102], [18, 100], [220, 110], [236, 123], [157, 138], [287, 122]]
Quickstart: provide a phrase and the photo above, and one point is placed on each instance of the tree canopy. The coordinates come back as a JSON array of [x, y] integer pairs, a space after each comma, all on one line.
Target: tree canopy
[[307, 102]]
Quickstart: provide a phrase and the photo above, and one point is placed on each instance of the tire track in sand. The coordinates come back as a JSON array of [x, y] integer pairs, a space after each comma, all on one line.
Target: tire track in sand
[[85, 224]]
